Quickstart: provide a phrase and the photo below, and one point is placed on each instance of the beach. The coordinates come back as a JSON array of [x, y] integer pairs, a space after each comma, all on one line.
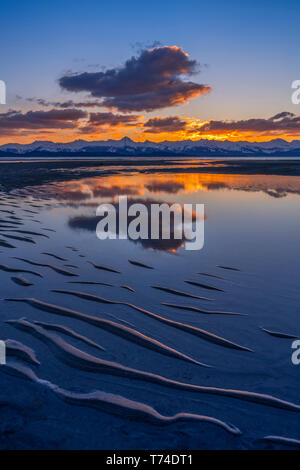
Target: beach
[[125, 344]]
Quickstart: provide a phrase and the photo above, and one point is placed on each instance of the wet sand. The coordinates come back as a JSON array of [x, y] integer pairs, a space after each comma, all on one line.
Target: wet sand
[[144, 347], [31, 173]]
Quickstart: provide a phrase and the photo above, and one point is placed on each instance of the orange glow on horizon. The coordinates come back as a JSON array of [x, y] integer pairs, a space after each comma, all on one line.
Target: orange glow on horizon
[[137, 134]]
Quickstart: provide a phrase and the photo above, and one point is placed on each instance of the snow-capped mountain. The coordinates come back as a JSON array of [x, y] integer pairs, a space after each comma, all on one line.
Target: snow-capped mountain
[[127, 147]]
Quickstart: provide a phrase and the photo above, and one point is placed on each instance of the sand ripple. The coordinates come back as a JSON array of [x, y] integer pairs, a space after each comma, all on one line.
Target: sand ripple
[[117, 404], [79, 359], [120, 330]]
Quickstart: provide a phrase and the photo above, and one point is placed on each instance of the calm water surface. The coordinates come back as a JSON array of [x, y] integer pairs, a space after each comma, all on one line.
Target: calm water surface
[[252, 224]]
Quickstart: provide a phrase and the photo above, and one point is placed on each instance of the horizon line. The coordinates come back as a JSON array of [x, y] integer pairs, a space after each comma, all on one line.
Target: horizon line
[[152, 142]]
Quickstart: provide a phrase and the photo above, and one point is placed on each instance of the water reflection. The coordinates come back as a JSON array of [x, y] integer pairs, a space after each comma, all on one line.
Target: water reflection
[[84, 195], [80, 197], [89, 223], [145, 186]]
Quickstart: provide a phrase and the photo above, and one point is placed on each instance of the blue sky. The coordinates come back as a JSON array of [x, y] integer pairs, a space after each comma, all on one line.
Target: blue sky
[[248, 50]]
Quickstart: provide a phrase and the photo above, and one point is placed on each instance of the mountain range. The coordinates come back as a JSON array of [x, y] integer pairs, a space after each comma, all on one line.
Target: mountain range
[[127, 147]]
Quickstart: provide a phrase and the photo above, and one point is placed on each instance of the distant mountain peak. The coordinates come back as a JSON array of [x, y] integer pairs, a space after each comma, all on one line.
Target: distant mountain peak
[[127, 140], [127, 146]]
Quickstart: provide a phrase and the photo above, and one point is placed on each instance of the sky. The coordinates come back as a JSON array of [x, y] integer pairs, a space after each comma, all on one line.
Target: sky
[[159, 70]]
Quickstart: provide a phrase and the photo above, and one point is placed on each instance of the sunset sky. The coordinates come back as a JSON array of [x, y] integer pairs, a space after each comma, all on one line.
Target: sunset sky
[[161, 70]]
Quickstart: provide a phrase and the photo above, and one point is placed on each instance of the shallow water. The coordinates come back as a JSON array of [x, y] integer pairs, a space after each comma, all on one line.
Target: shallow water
[[252, 224]]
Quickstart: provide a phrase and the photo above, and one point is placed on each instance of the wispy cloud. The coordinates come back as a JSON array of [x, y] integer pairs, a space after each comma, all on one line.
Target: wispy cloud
[[64, 104], [169, 124], [13, 122], [282, 123]]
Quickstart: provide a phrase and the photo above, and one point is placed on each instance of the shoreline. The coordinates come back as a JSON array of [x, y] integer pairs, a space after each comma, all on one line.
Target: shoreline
[[32, 173]]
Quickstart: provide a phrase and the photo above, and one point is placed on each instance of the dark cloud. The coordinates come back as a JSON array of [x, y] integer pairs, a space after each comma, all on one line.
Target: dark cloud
[[88, 129], [65, 104], [109, 120], [80, 104], [152, 80], [52, 119], [169, 124], [284, 114], [284, 122], [102, 119]]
